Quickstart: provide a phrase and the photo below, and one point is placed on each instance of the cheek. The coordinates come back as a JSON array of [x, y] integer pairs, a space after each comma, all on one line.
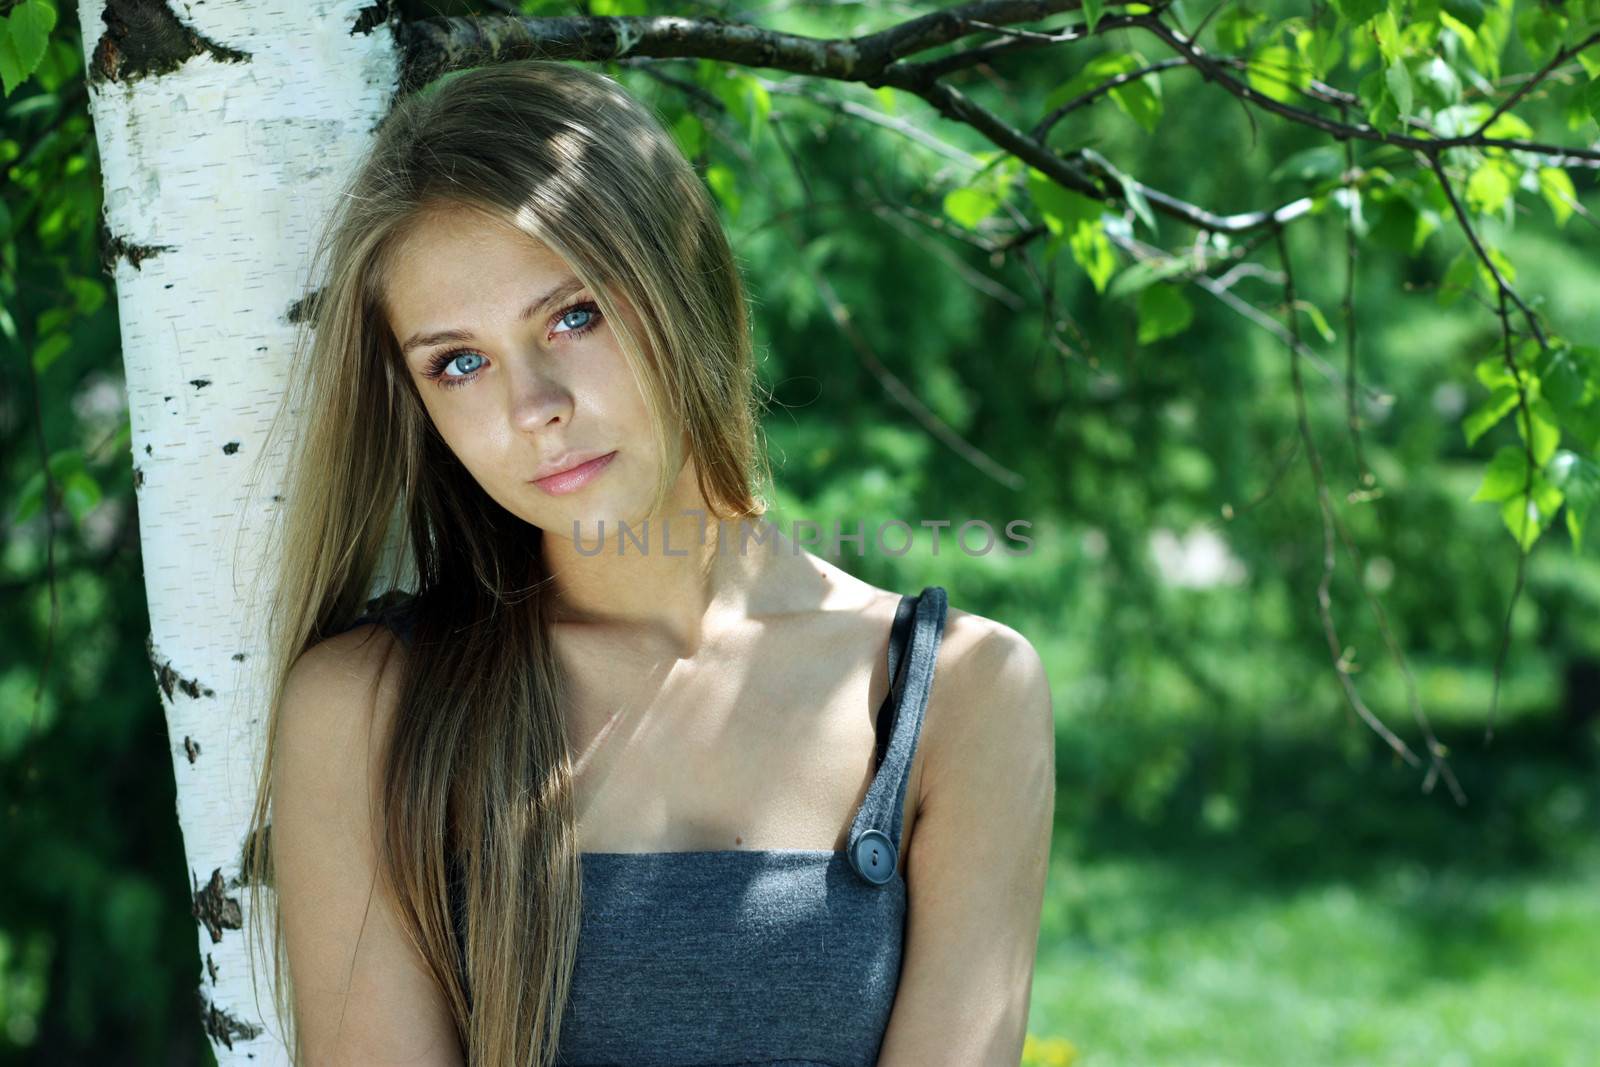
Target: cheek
[[463, 433]]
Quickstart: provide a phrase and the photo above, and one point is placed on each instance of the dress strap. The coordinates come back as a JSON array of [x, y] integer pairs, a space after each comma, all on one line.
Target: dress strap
[[899, 635], [875, 835], [393, 609]]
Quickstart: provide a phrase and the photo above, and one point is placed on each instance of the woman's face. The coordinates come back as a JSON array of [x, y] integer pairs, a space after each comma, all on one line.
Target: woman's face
[[514, 395]]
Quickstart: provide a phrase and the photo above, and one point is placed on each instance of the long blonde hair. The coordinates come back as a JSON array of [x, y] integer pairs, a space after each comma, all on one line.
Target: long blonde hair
[[477, 776]]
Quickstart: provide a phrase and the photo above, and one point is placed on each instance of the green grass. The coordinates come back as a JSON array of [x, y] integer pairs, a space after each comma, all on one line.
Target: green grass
[[1342, 917]]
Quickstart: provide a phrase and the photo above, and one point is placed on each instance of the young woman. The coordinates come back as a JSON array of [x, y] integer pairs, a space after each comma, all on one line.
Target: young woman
[[686, 797]]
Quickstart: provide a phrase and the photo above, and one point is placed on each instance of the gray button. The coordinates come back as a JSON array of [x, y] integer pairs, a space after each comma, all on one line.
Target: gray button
[[873, 856]]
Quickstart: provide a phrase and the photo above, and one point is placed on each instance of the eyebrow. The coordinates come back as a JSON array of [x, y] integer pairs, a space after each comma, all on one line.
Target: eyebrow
[[565, 287]]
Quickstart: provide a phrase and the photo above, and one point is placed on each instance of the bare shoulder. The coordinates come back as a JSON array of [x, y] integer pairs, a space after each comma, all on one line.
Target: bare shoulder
[[341, 690], [361, 992], [979, 859], [334, 716], [989, 711]]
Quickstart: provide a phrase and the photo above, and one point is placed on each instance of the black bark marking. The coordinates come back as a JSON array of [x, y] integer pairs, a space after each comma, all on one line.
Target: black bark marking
[[143, 38], [115, 248], [221, 1025], [230, 448], [169, 679], [148, 450], [214, 909], [304, 309], [238, 657], [191, 747], [211, 968], [200, 383], [371, 17], [247, 859], [138, 476]]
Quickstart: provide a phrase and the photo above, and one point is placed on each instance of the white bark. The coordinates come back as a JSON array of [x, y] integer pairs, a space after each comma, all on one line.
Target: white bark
[[223, 169]]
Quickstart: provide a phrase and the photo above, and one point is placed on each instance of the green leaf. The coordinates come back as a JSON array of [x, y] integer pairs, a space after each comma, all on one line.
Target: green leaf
[[1357, 12], [1275, 71], [1318, 163], [1398, 77], [1589, 57], [1146, 272], [1399, 225], [1458, 277], [1438, 82], [970, 206], [1591, 98], [30, 24], [12, 72], [1140, 99], [1234, 27], [1485, 41], [1489, 413], [1508, 126], [1569, 378], [87, 294], [690, 134], [1320, 47], [63, 465], [726, 186], [28, 499], [1074, 219], [1133, 194], [1579, 481], [1541, 30], [1529, 516], [1091, 248], [52, 319], [1062, 208], [81, 493], [1493, 373], [1386, 31], [1546, 431], [1141, 207], [1501, 263], [1555, 185], [1489, 187], [49, 350], [23, 39], [1469, 12], [1163, 311], [1318, 320], [746, 99], [1381, 111], [1506, 475], [1092, 10]]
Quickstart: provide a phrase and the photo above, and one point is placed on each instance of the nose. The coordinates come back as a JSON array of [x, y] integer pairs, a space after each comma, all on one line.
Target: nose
[[537, 399]]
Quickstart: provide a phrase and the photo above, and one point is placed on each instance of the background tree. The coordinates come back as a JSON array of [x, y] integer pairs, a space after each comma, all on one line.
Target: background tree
[[1052, 209]]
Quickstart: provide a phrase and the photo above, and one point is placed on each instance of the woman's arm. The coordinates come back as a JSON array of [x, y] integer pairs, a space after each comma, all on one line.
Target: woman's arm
[[361, 994], [979, 853]]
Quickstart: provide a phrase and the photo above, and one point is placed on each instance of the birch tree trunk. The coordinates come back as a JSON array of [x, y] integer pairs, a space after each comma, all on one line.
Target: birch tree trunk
[[223, 131]]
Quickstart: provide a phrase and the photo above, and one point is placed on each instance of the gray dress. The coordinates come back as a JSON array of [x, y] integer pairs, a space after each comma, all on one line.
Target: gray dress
[[782, 957]]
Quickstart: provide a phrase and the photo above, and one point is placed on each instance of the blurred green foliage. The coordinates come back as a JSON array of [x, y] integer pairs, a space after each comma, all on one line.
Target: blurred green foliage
[[1243, 873]]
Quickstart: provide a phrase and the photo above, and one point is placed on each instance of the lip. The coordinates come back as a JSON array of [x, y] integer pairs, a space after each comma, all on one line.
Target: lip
[[574, 476]]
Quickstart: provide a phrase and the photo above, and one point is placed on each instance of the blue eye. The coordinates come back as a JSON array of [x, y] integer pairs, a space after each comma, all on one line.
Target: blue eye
[[591, 315], [441, 364], [466, 355], [581, 309]]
